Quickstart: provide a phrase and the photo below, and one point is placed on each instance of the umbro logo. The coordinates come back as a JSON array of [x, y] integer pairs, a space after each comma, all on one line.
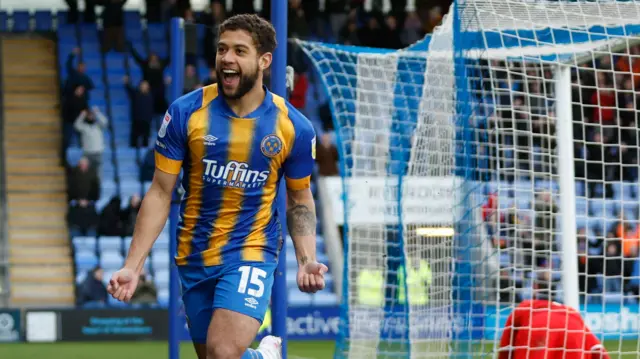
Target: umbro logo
[[210, 140], [251, 302]]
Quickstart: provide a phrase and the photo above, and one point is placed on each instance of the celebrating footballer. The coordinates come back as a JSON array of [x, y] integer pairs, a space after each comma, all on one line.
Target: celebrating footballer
[[234, 141]]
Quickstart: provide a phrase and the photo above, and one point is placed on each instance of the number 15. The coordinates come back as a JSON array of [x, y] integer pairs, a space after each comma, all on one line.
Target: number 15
[[256, 275]]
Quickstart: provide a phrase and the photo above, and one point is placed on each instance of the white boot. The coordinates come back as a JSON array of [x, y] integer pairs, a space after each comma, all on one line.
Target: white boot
[[271, 347]]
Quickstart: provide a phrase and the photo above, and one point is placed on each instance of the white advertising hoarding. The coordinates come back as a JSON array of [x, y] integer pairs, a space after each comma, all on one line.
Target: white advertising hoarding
[[425, 200]]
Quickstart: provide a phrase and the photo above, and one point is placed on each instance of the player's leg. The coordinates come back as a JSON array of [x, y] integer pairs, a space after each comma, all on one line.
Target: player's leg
[[197, 297], [241, 299]]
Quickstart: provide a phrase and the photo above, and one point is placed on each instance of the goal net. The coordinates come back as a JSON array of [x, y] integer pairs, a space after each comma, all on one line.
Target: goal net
[[494, 161]]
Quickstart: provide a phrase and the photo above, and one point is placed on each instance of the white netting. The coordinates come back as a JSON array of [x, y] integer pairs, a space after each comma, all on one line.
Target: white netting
[[473, 136]]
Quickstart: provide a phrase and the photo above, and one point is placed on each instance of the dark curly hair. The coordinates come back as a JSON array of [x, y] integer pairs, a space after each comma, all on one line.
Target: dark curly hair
[[261, 30]]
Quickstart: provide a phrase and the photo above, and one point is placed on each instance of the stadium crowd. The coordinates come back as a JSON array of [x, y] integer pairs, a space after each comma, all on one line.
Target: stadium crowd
[[515, 142], [342, 21]]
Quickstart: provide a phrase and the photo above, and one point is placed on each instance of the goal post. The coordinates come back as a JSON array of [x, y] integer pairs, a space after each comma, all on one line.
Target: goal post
[[483, 152]]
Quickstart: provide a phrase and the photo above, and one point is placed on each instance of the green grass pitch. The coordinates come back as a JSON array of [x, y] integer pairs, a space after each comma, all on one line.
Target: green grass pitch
[[158, 350]]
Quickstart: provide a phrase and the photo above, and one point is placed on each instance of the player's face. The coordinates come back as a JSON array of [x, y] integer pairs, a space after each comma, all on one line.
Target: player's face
[[238, 64]]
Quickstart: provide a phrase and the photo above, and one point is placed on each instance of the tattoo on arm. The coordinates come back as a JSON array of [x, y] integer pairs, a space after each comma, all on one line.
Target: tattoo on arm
[[301, 221], [303, 260]]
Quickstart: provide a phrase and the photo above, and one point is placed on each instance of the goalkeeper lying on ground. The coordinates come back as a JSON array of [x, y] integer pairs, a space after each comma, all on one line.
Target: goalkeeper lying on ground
[[543, 329]]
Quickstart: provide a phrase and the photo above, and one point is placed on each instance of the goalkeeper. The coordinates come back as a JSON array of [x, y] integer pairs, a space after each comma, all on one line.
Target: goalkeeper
[[235, 141], [543, 329]]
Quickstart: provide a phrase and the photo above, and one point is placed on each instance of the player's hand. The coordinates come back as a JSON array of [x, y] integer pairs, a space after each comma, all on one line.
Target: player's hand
[[311, 277], [123, 284]]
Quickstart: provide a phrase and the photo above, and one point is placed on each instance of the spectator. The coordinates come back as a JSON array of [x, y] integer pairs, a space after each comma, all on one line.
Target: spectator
[[72, 107], [212, 20], [92, 291], [434, 18], [111, 219], [113, 24], [412, 31], [76, 76], [298, 25], [604, 102], [586, 267], [613, 265], [148, 166], [146, 294], [349, 34], [243, 7], [191, 80], [298, 96], [371, 34], [326, 156], [142, 110], [154, 10], [83, 190], [153, 72], [545, 226], [89, 11], [130, 214], [337, 11], [391, 38], [212, 79], [91, 124]]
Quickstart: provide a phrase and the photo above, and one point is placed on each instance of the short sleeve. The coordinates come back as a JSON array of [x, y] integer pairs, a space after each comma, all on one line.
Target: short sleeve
[[170, 146], [299, 165]]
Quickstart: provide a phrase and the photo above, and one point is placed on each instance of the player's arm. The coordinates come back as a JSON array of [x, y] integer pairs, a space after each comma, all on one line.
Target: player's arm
[[301, 208], [151, 219], [154, 211], [301, 222]]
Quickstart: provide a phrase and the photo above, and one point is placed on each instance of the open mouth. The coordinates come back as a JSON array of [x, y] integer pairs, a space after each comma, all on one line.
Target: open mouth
[[230, 77]]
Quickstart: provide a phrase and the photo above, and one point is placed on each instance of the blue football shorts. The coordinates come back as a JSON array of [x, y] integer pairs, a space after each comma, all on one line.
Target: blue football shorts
[[243, 287]]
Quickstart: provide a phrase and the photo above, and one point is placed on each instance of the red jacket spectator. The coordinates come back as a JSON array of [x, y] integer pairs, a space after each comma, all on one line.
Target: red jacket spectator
[[299, 93], [605, 101]]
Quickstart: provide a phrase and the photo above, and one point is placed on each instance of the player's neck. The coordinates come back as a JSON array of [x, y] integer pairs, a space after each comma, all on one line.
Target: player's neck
[[249, 102]]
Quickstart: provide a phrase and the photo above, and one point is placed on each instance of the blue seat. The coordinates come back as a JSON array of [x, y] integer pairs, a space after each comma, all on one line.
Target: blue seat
[[161, 278], [62, 17], [160, 261], [84, 244], [109, 244], [85, 260], [111, 260], [3, 21], [163, 297], [21, 21], [44, 20], [162, 243]]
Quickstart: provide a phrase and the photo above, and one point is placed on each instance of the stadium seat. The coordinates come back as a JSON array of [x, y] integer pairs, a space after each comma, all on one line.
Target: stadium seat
[[111, 260], [21, 21], [84, 244], [3, 21], [44, 20], [110, 244], [163, 297], [85, 260], [160, 261], [161, 278], [162, 243]]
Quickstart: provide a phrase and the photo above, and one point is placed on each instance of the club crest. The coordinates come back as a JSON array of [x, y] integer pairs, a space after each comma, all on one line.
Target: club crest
[[271, 145]]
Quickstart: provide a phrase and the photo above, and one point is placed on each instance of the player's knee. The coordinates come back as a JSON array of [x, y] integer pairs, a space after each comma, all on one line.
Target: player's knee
[[224, 350]]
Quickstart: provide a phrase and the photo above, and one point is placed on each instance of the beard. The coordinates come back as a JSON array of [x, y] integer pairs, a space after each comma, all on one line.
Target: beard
[[246, 83]]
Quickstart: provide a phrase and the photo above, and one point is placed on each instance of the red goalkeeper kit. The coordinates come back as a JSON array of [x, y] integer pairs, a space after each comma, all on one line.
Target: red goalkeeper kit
[[542, 329]]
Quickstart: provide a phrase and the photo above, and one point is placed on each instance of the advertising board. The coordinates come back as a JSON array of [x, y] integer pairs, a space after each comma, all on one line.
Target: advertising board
[[425, 200], [10, 325], [113, 324]]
